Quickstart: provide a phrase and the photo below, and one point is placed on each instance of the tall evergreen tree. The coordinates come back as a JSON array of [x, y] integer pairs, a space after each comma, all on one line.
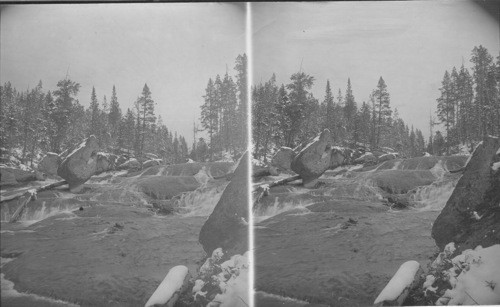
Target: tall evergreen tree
[[64, 97], [382, 110], [446, 106], [146, 116]]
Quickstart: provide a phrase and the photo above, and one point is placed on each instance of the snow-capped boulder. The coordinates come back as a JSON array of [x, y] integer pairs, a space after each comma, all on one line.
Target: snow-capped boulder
[[131, 164], [367, 158], [13, 176], [386, 157], [227, 226], [283, 158], [166, 187], [152, 162], [471, 216], [398, 288], [50, 163], [170, 288], [105, 162], [339, 157], [314, 159], [80, 164]]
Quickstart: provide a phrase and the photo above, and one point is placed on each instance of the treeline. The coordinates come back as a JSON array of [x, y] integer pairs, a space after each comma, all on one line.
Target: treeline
[[288, 115], [469, 105], [35, 121], [224, 115]]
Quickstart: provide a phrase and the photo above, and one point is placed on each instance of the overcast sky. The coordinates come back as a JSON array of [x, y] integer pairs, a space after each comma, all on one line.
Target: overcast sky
[[409, 43], [174, 48]]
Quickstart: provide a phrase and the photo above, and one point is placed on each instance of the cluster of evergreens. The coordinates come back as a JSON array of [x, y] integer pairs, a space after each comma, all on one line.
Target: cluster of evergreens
[[469, 105], [35, 121], [289, 115], [224, 115]]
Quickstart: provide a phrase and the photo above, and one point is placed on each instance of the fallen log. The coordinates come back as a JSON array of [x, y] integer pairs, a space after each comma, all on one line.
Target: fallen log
[[263, 189], [35, 190]]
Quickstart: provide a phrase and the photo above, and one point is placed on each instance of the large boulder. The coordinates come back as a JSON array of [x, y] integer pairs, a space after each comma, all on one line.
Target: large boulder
[[314, 159], [166, 187], [80, 164], [227, 226], [105, 162], [471, 216], [283, 158], [367, 158], [400, 181], [386, 157], [152, 162], [339, 157], [50, 163], [12, 176], [131, 164]]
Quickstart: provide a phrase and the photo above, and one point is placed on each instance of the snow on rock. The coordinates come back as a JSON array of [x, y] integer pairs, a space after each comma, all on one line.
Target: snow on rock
[[396, 291], [283, 158], [496, 166], [235, 292], [168, 291], [474, 277], [314, 159]]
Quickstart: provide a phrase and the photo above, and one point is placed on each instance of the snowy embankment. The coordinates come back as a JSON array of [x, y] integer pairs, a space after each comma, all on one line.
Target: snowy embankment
[[474, 277]]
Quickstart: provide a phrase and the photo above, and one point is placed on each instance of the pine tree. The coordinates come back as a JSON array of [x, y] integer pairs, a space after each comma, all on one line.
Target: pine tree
[[299, 103], [64, 98], [114, 118], [350, 109], [382, 110], [210, 114], [94, 115], [242, 83], [329, 112], [486, 98], [145, 117], [446, 107]]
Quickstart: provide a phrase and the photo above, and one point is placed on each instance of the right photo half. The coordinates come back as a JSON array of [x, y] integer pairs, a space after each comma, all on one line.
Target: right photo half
[[376, 153]]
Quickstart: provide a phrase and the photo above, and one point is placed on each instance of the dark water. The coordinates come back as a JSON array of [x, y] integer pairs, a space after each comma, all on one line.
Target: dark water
[[339, 245], [114, 252]]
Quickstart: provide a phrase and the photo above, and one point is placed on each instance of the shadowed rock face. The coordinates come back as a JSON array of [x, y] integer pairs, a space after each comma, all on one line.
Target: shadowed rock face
[[227, 225], [282, 159], [80, 165], [471, 216], [50, 163], [314, 159]]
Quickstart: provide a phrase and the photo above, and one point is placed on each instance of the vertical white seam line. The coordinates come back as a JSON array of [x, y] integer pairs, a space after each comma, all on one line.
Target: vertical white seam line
[[248, 42]]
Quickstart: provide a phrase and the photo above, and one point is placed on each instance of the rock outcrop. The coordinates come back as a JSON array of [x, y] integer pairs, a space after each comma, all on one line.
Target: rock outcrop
[[339, 157], [152, 162], [13, 176], [80, 164], [471, 216], [386, 157], [227, 226], [314, 159], [131, 164], [367, 159], [50, 163], [283, 158], [105, 162]]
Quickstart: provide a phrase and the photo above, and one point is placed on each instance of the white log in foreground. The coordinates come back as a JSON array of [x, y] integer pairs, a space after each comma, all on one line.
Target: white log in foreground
[[396, 291], [170, 288]]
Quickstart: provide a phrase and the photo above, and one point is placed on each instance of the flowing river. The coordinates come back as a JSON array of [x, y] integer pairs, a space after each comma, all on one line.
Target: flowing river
[[339, 244], [105, 246]]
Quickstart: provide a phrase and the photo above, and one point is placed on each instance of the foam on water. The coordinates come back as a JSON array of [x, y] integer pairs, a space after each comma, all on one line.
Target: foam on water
[[433, 197], [299, 208], [8, 290], [31, 216], [202, 201]]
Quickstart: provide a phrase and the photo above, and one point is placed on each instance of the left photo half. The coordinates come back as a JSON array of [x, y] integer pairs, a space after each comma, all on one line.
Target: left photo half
[[124, 166]]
